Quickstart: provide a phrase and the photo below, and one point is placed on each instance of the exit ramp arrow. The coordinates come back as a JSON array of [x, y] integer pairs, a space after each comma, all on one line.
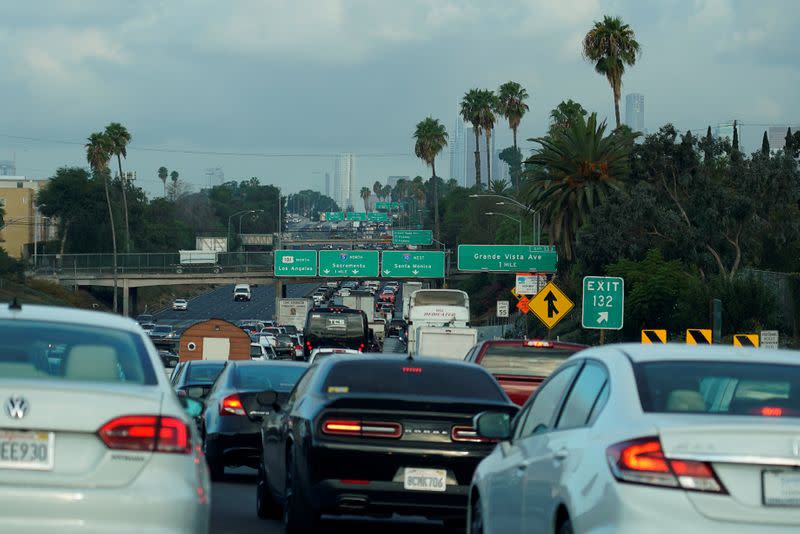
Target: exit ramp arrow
[[602, 317]]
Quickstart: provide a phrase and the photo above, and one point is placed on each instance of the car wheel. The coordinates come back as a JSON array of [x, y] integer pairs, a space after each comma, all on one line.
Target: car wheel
[[566, 527], [266, 506], [216, 469], [298, 512], [476, 517]]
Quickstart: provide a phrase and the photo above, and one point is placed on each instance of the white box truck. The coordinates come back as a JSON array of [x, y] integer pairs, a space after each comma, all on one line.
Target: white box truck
[[438, 308], [293, 312], [448, 343], [364, 301], [191, 259]]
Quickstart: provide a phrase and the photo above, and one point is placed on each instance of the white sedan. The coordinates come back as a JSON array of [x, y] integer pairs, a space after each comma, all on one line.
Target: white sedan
[[92, 437], [645, 438], [180, 304]]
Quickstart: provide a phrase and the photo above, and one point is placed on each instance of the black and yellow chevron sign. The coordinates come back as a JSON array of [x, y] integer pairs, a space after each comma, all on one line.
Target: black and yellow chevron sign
[[654, 336], [698, 336], [745, 340]]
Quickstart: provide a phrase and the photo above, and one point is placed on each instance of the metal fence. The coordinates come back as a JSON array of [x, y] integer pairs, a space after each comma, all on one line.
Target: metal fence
[[149, 263]]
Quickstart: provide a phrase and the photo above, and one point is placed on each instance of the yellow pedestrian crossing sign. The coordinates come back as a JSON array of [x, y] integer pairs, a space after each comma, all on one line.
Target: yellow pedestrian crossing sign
[[550, 305], [745, 340], [654, 336], [698, 336]]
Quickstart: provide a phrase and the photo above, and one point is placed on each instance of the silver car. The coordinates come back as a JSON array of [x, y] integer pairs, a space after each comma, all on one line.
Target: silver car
[[92, 437], [645, 438]]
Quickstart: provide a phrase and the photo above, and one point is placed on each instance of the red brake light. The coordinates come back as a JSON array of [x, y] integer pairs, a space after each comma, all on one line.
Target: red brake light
[[146, 433], [467, 433], [298, 347], [539, 344], [231, 405], [771, 411], [415, 370], [364, 429], [642, 461]]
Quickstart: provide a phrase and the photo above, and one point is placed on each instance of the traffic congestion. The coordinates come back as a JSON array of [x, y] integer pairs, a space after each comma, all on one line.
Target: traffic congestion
[[384, 413]]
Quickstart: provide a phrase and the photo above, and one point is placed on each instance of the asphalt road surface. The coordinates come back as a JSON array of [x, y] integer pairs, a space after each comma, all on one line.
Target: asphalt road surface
[[233, 511]]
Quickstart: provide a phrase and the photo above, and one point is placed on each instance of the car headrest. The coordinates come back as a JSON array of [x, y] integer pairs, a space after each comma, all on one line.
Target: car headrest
[[685, 400], [92, 362]]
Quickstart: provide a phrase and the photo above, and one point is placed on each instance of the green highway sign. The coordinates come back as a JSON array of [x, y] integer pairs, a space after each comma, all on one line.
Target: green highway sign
[[412, 237], [603, 302], [412, 264], [387, 205], [377, 216], [334, 215], [348, 263], [356, 216], [295, 263], [507, 258]]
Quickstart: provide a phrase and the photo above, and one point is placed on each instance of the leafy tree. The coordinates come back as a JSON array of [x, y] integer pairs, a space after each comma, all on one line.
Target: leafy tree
[[765, 144], [574, 171], [500, 187], [513, 158], [163, 173], [99, 149], [736, 155], [789, 147], [487, 107], [174, 176], [564, 114], [386, 192], [611, 45], [365, 194], [511, 105], [2, 215], [120, 138], [430, 139], [471, 112]]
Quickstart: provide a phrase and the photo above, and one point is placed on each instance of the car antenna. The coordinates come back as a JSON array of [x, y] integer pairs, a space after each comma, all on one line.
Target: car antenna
[[15, 305]]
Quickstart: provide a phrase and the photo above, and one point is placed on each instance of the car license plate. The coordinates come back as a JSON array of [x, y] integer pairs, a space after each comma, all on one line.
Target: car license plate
[[416, 479], [781, 488], [26, 450]]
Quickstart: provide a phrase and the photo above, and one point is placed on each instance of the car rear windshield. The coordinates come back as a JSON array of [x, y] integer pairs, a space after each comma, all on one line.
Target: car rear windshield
[[502, 359], [58, 351], [204, 373], [440, 298], [255, 351], [290, 329], [329, 324], [162, 329], [410, 378], [271, 376], [731, 388]]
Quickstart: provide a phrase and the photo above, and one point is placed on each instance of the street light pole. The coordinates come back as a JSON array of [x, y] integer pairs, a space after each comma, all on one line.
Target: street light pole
[[229, 224], [519, 221], [537, 221]]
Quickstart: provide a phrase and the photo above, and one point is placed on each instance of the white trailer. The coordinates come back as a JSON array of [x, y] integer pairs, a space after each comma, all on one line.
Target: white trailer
[[438, 308], [448, 343], [190, 259]]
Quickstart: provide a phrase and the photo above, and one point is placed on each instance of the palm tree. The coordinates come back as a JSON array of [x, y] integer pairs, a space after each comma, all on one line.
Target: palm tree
[[487, 108], [511, 98], [377, 188], [500, 187], [611, 45], [386, 192], [163, 173], [120, 138], [577, 169], [419, 197], [99, 149], [431, 138], [174, 177], [365, 194], [470, 112], [562, 115]]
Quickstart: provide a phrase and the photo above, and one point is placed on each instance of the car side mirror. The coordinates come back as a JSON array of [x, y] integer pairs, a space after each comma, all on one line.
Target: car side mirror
[[493, 425]]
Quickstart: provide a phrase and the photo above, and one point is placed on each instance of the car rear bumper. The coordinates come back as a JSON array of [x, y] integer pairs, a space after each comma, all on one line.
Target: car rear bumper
[[234, 449], [160, 500]]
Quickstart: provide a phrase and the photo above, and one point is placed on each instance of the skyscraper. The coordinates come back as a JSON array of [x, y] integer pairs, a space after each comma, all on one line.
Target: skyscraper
[[469, 157], [344, 182], [458, 168], [327, 184], [777, 136], [215, 176], [634, 112]]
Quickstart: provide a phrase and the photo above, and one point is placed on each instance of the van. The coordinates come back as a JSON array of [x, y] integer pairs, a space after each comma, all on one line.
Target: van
[[241, 292]]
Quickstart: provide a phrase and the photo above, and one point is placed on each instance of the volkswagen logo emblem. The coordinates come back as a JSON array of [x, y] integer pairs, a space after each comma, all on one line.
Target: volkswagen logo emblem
[[16, 407]]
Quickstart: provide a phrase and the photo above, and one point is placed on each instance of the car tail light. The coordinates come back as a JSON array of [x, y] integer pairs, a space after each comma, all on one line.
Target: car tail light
[[467, 433], [370, 429], [642, 461], [361, 347], [146, 433], [298, 348], [231, 405], [538, 344]]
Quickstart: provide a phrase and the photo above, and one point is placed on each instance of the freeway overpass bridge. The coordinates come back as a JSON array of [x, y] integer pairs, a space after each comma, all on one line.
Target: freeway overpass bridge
[[135, 270]]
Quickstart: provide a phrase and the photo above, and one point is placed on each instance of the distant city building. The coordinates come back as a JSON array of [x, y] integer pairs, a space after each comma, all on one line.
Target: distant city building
[[457, 145], [327, 184], [215, 176], [392, 180], [501, 168], [634, 112], [469, 157], [725, 131], [777, 136], [8, 168], [344, 181]]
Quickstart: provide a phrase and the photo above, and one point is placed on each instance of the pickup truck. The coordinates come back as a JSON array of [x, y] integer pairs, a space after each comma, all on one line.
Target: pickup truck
[[521, 365]]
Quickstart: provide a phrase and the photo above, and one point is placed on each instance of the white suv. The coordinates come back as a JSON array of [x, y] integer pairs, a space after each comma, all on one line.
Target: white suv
[[241, 292]]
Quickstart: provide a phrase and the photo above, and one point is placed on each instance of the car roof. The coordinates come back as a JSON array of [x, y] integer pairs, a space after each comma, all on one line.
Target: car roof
[[284, 363], [210, 363], [64, 315], [556, 344], [682, 352], [393, 358]]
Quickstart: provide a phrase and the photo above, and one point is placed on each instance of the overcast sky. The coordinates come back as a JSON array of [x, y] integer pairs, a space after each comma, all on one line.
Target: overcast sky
[[317, 77]]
